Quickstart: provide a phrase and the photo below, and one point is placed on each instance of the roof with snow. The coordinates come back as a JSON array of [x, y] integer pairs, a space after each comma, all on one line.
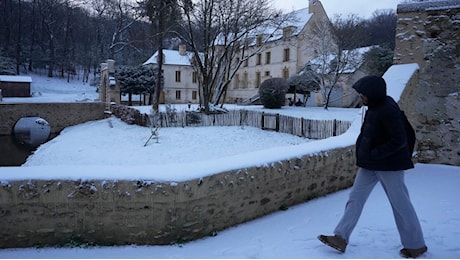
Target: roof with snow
[[9, 78], [295, 19], [428, 5], [171, 57]]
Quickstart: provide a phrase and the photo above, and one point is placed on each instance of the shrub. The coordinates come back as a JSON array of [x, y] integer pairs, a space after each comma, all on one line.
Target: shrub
[[272, 92]]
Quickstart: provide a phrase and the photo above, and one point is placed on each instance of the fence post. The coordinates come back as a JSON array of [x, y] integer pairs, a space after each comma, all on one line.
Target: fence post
[[262, 118], [302, 127], [334, 129], [277, 122]]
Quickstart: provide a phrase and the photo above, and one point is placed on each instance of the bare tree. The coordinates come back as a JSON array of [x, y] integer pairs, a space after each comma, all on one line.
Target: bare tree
[[48, 11], [381, 28], [334, 59], [125, 13], [226, 29], [164, 15]]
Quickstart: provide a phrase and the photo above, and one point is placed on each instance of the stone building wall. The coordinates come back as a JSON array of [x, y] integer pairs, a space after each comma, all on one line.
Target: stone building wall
[[58, 115], [117, 212], [428, 34]]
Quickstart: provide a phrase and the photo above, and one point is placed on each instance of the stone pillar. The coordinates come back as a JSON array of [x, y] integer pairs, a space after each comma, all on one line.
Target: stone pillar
[[110, 89], [114, 88], [103, 83]]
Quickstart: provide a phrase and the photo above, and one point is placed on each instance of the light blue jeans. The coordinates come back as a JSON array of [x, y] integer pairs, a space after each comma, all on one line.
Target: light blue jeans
[[404, 213]]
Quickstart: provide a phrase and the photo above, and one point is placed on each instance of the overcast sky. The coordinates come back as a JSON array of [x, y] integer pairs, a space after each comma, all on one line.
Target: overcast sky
[[363, 8]]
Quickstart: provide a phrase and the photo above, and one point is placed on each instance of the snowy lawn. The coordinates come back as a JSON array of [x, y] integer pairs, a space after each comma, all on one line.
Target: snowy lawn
[[113, 142]]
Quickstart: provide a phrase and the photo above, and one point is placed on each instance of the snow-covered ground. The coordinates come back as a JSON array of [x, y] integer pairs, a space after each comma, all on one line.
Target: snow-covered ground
[[44, 89], [285, 234]]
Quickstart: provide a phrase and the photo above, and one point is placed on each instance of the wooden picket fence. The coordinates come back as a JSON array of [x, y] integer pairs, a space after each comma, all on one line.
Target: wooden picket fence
[[308, 128]]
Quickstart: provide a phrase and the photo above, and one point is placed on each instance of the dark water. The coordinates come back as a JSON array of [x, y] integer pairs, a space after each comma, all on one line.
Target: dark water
[[12, 152], [15, 153]]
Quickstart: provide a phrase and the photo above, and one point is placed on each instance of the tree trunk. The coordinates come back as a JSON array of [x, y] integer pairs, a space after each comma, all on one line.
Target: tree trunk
[[18, 43], [156, 102], [32, 40], [52, 57]]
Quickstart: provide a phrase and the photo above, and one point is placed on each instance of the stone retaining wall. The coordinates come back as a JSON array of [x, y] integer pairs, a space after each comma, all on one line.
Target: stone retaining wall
[[428, 34], [143, 212], [58, 115]]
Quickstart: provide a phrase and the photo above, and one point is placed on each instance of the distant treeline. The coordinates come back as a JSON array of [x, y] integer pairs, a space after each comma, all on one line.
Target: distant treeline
[[64, 37]]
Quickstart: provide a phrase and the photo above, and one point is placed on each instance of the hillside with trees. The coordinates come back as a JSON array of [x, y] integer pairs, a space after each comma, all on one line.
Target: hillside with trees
[[67, 37]]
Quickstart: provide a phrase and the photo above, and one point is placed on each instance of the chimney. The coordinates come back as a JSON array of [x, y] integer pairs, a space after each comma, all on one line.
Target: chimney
[[312, 5], [182, 49]]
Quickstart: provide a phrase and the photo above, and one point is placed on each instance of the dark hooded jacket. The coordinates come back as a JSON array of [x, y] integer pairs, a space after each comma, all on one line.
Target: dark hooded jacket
[[382, 143]]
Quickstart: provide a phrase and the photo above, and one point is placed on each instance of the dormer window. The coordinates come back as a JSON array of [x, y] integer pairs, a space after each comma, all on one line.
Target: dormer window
[[259, 40], [287, 32]]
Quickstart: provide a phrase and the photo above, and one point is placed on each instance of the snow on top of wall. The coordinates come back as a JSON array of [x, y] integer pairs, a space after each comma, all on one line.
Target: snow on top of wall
[[9, 78], [428, 5], [397, 77]]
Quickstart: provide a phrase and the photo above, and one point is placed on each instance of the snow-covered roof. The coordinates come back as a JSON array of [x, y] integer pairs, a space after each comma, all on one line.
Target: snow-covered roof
[[429, 5], [171, 57], [295, 19], [9, 78], [301, 18]]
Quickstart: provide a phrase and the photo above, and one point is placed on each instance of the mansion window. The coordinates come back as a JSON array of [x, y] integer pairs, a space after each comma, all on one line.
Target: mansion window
[[286, 54], [267, 73], [236, 81], [177, 75], [177, 94], [257, 79], [268, 57], [245, 80], [194, 77], [259, 58], [194, 95], [285, 73]]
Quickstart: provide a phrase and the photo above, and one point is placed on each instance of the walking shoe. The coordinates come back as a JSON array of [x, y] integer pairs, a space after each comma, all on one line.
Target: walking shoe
[[412, 253], [335, 242]]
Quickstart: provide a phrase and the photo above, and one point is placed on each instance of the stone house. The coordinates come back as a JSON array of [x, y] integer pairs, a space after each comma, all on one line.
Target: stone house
[[281, 56], [180, 79], [280, 53]]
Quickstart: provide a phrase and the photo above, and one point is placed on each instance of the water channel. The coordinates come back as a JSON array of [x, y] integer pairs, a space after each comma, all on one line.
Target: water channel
[[13, 153], [28, 134]]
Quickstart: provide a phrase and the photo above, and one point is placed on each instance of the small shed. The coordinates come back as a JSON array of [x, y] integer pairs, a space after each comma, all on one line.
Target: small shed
[[15, 86]]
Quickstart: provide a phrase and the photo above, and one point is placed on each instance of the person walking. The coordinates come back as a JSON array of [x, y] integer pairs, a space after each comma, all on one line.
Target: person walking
[[382, 155]]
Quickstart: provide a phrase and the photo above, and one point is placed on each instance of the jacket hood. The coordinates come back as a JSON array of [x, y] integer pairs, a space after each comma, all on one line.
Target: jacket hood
[[373, 87]]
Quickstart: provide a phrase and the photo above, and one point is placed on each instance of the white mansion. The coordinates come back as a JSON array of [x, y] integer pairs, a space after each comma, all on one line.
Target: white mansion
[[281, 56]]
